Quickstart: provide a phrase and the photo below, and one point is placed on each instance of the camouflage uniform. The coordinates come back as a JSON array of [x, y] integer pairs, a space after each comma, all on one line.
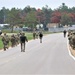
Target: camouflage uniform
[[5, 40], [70, 39], [37, 35], [13, 41], [34, 35], [16, 39], [73, 40], [69, 32]]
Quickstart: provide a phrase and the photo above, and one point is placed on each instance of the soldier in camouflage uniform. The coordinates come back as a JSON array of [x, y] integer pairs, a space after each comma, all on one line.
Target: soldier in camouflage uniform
[[73, 39], [70, 39], [69, 32], [17, 39], [34, 35], [37, 34], [5, 40], [13, 41]]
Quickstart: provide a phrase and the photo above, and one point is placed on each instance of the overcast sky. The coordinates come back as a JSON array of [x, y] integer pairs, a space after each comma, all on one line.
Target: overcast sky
[[53, 4]]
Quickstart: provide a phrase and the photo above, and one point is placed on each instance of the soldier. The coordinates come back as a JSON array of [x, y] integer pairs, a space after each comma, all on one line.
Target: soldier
[[40, 36], [16, 39], [73, 40], [5, 40], [23, 39], [13, 41], [37, 35], [34, 35], [69, 32], [64, 33], [70, 39]]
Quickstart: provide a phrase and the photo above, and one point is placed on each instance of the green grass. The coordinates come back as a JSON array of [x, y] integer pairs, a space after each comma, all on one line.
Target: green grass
[[1, 44], [29, 36]]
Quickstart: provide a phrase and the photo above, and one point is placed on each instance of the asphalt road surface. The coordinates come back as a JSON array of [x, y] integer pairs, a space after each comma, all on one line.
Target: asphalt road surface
[[49, 57]]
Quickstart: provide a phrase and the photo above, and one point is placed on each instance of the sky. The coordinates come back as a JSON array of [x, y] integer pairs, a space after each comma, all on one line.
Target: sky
[[53, 4]]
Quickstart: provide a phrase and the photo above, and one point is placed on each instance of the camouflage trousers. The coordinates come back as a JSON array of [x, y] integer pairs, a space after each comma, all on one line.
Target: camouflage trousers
[[13, 44], [5, 46]]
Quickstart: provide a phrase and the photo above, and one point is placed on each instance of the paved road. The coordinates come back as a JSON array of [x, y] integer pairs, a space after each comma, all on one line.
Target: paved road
[[49, 57]]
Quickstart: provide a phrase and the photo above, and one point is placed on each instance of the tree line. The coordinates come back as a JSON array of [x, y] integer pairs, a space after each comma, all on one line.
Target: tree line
[[63, 15]]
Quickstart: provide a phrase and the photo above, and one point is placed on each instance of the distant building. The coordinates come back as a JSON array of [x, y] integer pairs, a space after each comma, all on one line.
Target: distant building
[[52, 25]]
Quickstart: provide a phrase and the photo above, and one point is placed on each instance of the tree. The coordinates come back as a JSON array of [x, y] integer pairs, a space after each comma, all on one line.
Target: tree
[[13, 18], [56, 16], [63, 8], [40, 16], [55, 19], [27, 9], [47, 13], [3, 15], [65, 20], [31, 19]]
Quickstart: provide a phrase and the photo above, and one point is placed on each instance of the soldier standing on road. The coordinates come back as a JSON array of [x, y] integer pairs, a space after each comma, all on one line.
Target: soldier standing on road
[[23, 39], [64, 33], [5, 40], [40, 36]]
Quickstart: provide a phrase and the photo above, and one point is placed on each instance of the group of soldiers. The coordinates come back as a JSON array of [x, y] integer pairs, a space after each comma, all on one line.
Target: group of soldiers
[[13, 39], [37, 35], [71, 38]]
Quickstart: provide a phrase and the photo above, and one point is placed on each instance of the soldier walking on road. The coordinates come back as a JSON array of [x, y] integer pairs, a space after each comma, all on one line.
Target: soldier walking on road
[[64, 33], [23, 39], [5, 40], [37, 35], [16, 39], [34, 35], [13, 41], [40, 36]]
